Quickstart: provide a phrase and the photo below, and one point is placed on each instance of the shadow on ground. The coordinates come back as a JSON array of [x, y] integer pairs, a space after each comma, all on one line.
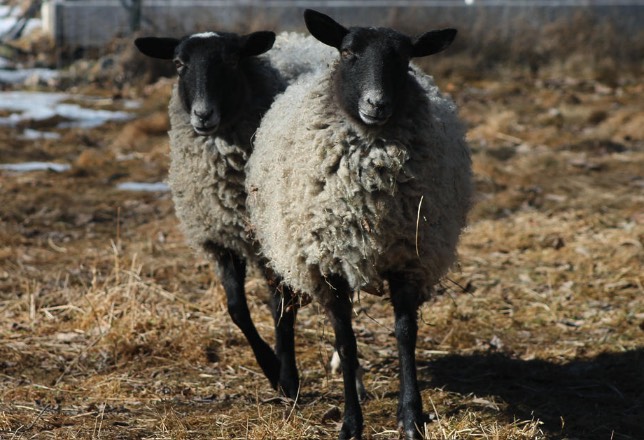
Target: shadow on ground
[[598, 398]]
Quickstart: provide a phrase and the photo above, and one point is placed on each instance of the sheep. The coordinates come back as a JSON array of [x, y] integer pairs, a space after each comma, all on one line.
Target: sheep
[[223, 89], [361, 177]]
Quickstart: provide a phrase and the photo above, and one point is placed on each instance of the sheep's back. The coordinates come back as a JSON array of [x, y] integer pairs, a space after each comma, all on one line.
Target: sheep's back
[[295, 54]]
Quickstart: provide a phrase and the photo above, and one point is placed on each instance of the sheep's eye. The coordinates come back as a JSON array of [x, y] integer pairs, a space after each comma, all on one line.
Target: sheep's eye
[[178, 64], [346, 54]]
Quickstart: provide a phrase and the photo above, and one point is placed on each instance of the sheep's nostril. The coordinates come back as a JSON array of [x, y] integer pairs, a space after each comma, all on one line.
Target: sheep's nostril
[[374, 108], [203, 115], [378, 104]]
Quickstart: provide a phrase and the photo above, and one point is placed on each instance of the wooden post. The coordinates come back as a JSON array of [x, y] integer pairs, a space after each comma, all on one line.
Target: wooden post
[[134, 9]]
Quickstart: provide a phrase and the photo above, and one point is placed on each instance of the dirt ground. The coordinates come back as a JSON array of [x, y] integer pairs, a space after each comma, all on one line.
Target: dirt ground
[[112, 328]]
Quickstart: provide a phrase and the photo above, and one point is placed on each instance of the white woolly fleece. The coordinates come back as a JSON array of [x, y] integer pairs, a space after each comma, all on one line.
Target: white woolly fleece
[[206, 178], [295, 54], [206, 173], [329, 196]]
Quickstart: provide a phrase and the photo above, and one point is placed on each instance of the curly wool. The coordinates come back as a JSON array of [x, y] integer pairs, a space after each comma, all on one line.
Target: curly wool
[[329, 196], [206, 178], [207, 174], [295, 54]]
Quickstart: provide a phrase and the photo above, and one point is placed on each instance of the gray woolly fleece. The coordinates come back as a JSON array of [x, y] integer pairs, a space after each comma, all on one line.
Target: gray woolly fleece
[[330, 196], [206, 173], [295, 54]]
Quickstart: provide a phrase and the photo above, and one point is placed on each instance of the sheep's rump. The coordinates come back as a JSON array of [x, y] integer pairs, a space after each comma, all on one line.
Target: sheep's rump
[[328, 196]]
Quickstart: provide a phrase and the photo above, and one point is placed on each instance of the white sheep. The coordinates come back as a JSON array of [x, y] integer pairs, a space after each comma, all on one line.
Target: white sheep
[[360, 175], [224, 88]]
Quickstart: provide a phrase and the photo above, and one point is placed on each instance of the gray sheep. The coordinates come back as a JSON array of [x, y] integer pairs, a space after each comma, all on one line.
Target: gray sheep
[[361, 175], [224, 88]]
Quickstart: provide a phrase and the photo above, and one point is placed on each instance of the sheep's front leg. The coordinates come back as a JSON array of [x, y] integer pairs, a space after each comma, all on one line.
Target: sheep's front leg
[[406, 301], [339, 309], [284, 310], [231, 269]]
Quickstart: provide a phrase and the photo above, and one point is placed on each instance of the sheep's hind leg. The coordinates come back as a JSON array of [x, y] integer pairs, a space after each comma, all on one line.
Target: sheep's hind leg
[[284, 307], [339, 310], [231, 269], [406, 301]]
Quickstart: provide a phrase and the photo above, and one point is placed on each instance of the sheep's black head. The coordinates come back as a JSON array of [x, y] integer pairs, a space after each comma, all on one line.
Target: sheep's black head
[[373, 72], [212, 84]]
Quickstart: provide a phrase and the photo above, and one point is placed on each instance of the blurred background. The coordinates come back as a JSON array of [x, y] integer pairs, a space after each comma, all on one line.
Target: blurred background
[[529, 32]]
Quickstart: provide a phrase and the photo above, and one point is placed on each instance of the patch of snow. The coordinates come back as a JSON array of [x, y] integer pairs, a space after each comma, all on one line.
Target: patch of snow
[[20, 76], [35, 166], [87, 118], [145, 187], [10, 15], [32, 135], [6, 23], [131, 104], [28, 106], [38, 106], [4, 63], [32, 25]]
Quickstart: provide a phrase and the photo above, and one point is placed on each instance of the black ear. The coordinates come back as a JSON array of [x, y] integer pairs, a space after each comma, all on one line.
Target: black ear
[[154, 47], [324, 28], [433, 42], [257, 43]]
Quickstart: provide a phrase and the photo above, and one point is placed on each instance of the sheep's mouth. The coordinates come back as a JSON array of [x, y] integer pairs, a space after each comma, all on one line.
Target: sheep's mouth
[[373, 119], [205, 130]]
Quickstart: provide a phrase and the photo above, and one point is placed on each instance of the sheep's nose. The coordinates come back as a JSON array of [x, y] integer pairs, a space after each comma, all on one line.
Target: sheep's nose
[[378, 102], [203, 115], [374, 108]]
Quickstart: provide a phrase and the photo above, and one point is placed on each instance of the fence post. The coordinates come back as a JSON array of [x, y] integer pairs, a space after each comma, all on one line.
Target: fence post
[[134, 10]]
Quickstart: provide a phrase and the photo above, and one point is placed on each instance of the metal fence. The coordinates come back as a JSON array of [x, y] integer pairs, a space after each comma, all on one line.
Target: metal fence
[[92, 23]]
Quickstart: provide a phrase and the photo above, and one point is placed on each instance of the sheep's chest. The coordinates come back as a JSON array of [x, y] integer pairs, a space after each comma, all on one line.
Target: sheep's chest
[[206, 177], [360, 181]]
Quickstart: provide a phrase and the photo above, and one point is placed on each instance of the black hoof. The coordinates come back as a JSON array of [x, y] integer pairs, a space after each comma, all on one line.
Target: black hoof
[[347, 434], [351, 429], [411, 423], [290, 387]]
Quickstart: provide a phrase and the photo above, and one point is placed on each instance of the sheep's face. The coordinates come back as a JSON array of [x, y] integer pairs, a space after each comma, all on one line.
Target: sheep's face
[[372, 75], [212, 85]]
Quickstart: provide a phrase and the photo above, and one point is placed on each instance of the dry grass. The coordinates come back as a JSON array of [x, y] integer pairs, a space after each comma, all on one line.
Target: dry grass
[[112, 328]]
